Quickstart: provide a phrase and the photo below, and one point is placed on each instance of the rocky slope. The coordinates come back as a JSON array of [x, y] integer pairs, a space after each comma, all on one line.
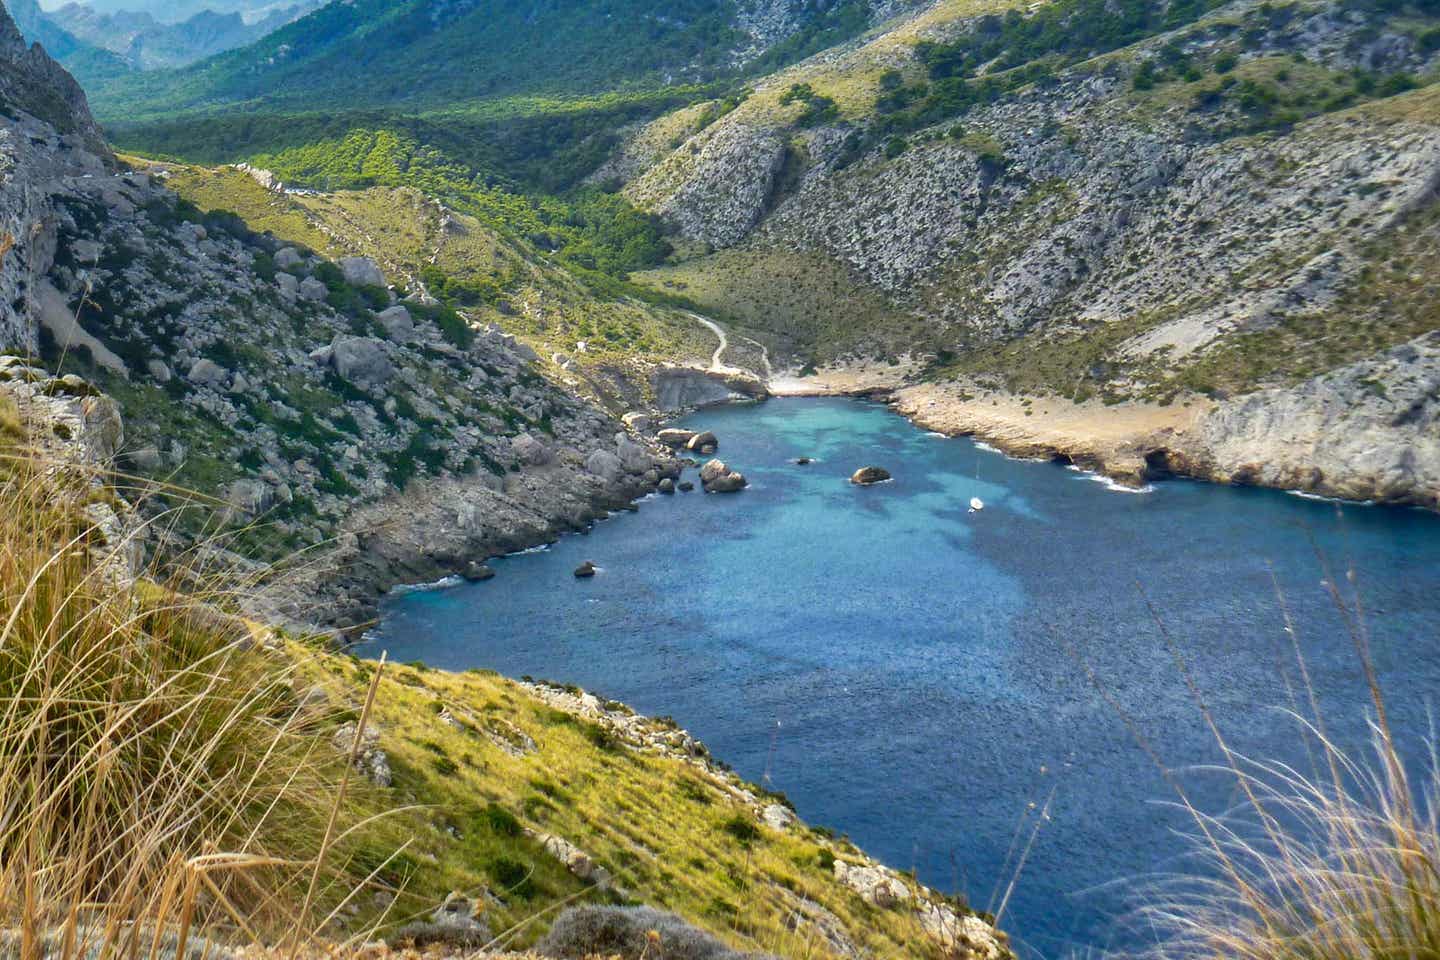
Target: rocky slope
[[1189, 216], [297, 389]]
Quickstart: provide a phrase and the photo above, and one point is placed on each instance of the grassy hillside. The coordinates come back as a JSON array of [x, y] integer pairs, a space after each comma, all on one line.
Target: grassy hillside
[[487, 272]]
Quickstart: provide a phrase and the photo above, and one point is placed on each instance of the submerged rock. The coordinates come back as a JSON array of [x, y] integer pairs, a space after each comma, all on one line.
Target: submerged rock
[[685, 486], [475, 572], [869, 475]]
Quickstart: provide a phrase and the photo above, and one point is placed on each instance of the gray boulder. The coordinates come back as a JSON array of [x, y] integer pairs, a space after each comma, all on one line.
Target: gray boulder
[[207, 373], [312, 289], [674, 436], [868, 475], [288, 286], [361, 272], [605, 464], [361, 360], [639, 422], [632, 456], [398, 324], [528, 449], [249, 498], [288, 258]]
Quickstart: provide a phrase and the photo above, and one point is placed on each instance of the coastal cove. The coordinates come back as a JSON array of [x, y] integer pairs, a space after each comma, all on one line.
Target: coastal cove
[[914, 675]]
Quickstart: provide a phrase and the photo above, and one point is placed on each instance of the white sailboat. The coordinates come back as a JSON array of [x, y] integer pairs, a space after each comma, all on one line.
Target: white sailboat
[[976, 504]]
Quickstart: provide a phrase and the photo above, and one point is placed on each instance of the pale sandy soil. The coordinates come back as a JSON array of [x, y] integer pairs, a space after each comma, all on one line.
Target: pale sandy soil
[[1112, 439], [840, 381]]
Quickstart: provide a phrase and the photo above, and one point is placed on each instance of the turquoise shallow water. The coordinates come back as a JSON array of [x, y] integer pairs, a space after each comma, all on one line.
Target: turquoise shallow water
[[906, 671]]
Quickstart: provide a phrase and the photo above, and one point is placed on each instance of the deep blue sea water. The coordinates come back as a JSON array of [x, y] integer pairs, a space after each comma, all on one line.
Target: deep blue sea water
[[909, 672]]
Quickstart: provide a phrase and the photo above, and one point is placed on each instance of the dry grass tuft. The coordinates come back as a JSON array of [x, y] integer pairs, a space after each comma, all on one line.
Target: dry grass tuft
[[158, 774]]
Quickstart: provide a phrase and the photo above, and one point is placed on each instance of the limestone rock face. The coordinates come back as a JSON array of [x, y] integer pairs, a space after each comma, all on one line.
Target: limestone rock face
[[874, 883], [674, 436], [685, 388], [633, 457], [249, 498], [778, 816], [370, 759], [716, 192], [1367, 431]]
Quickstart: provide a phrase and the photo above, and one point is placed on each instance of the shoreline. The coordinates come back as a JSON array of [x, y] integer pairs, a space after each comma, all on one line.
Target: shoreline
[[1134, 443]]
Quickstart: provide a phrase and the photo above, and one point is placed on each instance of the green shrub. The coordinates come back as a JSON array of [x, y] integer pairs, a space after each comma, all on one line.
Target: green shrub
[[742, 828], [495, 819]]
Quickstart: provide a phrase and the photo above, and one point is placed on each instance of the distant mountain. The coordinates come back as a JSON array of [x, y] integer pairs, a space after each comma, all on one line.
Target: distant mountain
[[427, 53], [91, 64], [149, 43]]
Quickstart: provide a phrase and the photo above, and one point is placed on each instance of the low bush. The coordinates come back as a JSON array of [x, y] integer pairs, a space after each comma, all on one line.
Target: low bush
[[631, 933]]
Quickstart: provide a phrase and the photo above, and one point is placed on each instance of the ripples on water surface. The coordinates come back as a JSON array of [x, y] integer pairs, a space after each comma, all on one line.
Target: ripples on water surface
[[914, 663]]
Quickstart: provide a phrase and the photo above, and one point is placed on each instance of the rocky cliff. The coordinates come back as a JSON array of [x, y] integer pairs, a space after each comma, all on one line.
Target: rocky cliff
[[330, 417], [1234, 207]]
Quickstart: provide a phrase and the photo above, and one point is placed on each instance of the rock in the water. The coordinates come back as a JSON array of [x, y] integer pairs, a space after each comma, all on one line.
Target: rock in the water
[[586, 569], [361, 272], [703, 442], [803, 461], [868, 475], [685, 486], [475, 572], [674, 436], [716, 477], [666, 486]]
